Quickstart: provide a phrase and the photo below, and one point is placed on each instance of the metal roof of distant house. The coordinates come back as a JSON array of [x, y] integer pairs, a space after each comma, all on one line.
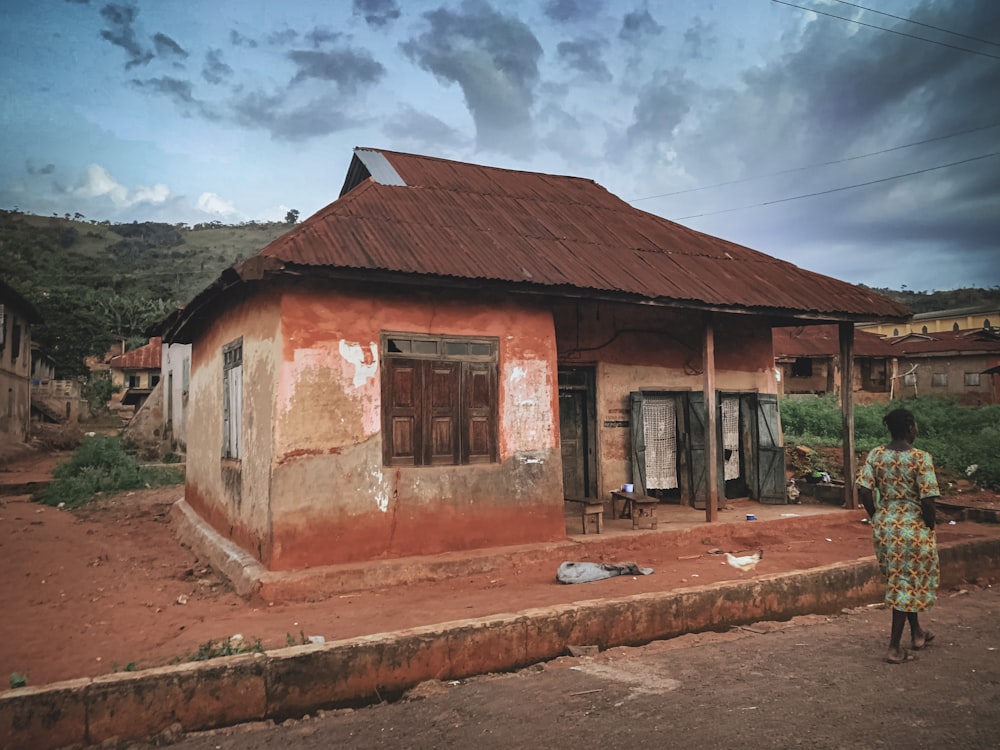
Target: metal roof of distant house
[[439, 222], [824, 341], [148, 357], [969, 342]]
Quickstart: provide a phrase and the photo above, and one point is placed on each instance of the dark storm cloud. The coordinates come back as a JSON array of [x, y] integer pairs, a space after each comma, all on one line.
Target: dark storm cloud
[[322, 35], [494, 59], [47, 169], [271, 112], [564, 11], [179, 91], [377, 13], [839, 91], [238, 40], [584, 55], [121, 33], [214, 70], [348, 68], [282, 38], [698, 37], [424, 131], [167, 47], [637, 24], [661, 106]]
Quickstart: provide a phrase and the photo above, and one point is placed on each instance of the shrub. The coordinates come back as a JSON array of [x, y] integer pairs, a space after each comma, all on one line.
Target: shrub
[[957, 437], [101, 465]]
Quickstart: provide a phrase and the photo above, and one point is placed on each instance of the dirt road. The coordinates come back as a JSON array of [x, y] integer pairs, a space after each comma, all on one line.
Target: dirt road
[[815, 682]]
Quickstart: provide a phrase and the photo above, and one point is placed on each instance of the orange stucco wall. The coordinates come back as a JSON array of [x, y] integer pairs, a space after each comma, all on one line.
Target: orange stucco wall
[[317, 492]]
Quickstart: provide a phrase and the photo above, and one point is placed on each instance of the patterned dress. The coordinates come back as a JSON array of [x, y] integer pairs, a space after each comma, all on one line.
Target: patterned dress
[[905, 547]]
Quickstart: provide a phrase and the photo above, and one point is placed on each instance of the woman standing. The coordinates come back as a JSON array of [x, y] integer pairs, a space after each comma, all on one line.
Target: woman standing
[[897, 486]]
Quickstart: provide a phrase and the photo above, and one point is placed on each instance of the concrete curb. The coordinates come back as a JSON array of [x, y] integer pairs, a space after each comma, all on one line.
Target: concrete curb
[[294, 681]]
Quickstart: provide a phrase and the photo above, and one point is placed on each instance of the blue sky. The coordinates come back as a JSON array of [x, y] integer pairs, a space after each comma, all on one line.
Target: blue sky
[[721, 114]]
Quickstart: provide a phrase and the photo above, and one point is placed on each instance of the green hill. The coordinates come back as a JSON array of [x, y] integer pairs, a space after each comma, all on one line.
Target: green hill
[[95, 282]]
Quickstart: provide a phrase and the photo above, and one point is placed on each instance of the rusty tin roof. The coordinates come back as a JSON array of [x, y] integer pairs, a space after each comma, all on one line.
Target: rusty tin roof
[[824, 341], [436, 221], [146, 357]]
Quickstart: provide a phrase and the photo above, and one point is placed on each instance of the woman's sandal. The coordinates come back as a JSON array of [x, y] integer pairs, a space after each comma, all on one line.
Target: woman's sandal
[[899, 658], [923, 642]]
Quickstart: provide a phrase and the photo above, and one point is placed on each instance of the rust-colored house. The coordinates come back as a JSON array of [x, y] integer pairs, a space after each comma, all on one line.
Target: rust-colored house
[[137, 372], [808, 358], [958, 364], [435, 360]]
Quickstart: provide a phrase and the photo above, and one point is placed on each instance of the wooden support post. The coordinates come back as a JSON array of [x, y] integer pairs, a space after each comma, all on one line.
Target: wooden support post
[[711, 424], [847, 410]]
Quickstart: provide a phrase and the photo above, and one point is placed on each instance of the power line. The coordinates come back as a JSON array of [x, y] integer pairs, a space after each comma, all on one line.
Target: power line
[[839, 189], [891, 31], [818, 164], [919, 23]]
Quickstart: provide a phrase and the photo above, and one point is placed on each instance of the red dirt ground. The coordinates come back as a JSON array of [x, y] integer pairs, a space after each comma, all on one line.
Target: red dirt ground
[[108, 587]]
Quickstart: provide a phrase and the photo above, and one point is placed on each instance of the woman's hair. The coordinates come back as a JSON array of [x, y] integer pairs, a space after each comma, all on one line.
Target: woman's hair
[[899, 422]]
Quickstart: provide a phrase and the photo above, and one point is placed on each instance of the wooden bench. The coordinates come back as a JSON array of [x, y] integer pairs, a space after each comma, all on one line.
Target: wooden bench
[[641, 508], [590, 506]]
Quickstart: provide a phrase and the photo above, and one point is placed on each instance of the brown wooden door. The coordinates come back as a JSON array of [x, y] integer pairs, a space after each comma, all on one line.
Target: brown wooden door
[[572, 412]]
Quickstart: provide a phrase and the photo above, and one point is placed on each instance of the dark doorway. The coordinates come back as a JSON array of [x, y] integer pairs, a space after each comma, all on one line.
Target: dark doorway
[[577, 417]]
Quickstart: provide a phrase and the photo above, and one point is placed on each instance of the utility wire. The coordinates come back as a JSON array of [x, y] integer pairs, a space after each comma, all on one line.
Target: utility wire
[[839, 189], [818, 164], [918, 23], [891, 31]]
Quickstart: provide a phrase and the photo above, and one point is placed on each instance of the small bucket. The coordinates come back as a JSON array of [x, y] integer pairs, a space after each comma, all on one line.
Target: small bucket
[[628, 488], [751, 517]]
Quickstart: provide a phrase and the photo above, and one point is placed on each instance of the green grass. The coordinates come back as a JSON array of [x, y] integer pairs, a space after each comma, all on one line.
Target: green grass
[[101, 465], [958, 437]]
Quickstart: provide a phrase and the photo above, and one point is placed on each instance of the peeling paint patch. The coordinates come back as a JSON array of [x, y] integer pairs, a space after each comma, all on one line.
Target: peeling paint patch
[[365, 363], [381, 492], [528, 418]]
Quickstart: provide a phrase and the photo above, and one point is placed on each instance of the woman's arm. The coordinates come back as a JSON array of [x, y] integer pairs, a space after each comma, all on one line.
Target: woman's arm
[[867, 499]]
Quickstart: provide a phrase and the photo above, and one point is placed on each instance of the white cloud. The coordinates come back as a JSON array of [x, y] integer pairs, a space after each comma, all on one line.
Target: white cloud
[[98, 183], [212, 203]]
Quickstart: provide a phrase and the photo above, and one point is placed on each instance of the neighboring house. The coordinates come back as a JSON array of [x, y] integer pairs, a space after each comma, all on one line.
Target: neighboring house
[[941, 321], [435, 360], [808, 358], [176, 379], [950, 363], [52, 400], [136, 372], [17, 316]]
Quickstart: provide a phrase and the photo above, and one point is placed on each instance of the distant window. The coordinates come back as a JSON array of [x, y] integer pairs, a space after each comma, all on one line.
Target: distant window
[[923, 329], [954, 326], [439, 400], [232, 399], [186, 375], [154, 378], [939, 380], [134, 381], [910, 378], [802, 367], [895, 331], [986, 323], [972, 379], [15, 342]]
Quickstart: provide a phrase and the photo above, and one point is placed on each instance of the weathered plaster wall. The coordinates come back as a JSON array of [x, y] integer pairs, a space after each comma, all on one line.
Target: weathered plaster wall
[[333, 501], [175, 394], [955, 369], [638, 349], [233, 495]]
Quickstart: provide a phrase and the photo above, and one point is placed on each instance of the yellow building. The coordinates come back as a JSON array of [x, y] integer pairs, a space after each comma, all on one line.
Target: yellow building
[[959, 319]]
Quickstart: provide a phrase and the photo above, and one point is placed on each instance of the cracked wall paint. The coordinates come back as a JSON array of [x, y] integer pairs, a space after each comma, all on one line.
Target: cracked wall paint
[[365, 367]]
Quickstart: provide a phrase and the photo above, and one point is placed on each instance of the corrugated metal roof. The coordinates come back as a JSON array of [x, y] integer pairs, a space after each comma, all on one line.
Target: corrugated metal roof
[[148, 357], [465, 221], [824, 341], [971, 341]]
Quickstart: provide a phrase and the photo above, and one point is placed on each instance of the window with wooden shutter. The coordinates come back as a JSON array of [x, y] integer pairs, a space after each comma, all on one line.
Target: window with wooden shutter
[[439, 403]]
